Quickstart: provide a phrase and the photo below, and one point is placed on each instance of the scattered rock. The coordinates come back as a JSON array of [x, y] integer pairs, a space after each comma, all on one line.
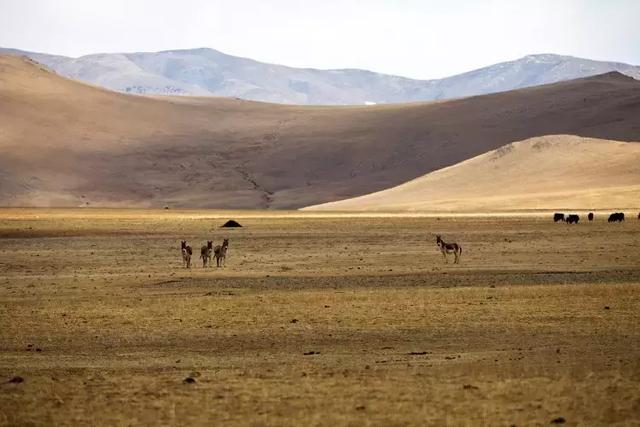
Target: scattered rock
[[416, 353], [311, 353], [559, 420], [294, 321], [360, 408], [16, 380], [231, 224], [189, 380], [469, 387], [606, 307]]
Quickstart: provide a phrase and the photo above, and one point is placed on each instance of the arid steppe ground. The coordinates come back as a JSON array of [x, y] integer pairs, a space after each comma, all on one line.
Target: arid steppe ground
[[317, 320]]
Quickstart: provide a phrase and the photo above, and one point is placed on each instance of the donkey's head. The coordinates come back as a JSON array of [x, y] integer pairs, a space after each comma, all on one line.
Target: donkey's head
[[183, 244], [209, 244]]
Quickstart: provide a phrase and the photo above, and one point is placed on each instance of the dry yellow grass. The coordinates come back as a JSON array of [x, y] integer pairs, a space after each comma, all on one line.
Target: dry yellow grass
[[518, 333], [549, 172]]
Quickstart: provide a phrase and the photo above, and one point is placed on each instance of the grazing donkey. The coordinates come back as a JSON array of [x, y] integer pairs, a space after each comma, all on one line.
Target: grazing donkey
[[205, 253], [220, 252], [449, 248], [186, 254]]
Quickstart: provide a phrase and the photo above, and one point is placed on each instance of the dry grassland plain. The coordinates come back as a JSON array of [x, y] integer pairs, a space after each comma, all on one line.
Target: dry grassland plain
[[317, 320]]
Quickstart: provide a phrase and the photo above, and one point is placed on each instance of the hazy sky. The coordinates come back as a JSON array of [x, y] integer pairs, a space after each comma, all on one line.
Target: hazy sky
[[415, 38]]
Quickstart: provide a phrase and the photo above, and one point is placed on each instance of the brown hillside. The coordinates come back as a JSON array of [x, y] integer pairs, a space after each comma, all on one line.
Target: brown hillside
[[67, 144], [549, 172]]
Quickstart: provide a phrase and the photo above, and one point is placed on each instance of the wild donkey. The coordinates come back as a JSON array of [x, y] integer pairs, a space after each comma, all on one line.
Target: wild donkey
[[186, 254], [449, 248], [205, 253], [220, 252]]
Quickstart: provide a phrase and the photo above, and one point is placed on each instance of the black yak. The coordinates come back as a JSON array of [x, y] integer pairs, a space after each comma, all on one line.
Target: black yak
[[616, 217], [573, 219]]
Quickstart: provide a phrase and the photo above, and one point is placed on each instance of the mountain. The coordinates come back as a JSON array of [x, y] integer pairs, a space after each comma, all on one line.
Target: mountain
[[548, 172], [65, 143], [209, 72]]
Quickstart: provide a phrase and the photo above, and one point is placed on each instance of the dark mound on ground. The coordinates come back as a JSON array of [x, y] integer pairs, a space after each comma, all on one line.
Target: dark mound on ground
[[231, 223]]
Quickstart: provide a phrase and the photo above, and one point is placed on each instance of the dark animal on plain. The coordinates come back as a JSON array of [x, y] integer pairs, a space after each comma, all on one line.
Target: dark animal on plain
[[573, 219], [186, 254], [558, 217], [205, 253], [616, 217], [639, 216], [449, 248], [220, 253], [590, 216]]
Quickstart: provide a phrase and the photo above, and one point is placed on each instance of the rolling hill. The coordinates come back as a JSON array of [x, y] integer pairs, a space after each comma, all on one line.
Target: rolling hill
[[65, 143], [208, 72], [548, 172]]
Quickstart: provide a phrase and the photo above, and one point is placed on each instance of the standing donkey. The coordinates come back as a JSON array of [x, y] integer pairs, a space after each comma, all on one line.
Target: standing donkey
[[449, 248], [205, 253], [220, 252], [186, 254]]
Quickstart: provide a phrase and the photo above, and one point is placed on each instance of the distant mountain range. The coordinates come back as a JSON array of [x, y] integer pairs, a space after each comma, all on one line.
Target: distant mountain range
[[208, 72], [66, 143]]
